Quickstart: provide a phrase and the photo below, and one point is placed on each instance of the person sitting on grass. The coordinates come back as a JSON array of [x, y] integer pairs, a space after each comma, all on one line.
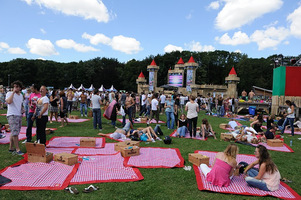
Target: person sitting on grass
[[223, 168], [257, 125], [270, 121], [146, 135], [267, 177], [207, 129], [182, 126], [270, 133]]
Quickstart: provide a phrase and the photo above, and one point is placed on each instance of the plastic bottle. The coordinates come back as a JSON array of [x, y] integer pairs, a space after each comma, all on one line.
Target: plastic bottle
[[291, 143]]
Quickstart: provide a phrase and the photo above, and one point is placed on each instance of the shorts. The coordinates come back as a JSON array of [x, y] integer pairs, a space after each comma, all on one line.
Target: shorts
[[63, 114], [15, 123], [143, 137], [53, 109]]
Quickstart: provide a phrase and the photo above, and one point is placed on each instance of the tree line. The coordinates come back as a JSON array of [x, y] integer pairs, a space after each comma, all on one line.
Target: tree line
[[213, 68]]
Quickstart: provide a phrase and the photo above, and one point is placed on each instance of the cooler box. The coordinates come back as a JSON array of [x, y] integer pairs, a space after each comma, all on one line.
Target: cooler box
[[252, 110]]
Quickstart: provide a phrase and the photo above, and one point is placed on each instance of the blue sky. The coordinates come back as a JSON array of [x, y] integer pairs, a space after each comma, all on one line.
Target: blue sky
[[73, 30]]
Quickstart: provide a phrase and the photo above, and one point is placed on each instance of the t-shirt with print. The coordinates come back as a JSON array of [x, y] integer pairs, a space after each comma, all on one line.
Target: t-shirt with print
[[41, 101], [33, 101]]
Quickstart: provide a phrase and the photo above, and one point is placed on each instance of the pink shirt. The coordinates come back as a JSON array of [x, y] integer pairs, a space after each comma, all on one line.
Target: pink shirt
[[219, 175], [33, 101]]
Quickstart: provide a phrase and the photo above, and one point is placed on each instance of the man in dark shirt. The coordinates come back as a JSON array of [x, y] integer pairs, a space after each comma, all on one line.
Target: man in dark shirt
[[270, 133]]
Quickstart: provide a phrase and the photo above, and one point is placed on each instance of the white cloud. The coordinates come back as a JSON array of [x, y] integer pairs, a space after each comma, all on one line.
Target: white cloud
[[16, 50], [4, 45], [124, 44], [196, 46], [295, 26], [189, 16], [121, 43], [238, 38], [270, 37], [88, 9], [237, 13], [214, 5], [41, 47], [11, 50], [170, 48], [68, 44], [42, 30], [237, 51], [286, 42], [98, 38]]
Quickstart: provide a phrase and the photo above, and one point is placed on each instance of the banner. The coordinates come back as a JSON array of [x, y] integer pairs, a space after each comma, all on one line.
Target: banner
[[189, 79], [151, 80]]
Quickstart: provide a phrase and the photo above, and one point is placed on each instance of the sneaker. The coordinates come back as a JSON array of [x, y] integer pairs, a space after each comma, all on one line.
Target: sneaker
[[2, 136], [158, 139], [11, 151], [20, 153], [86, 116], [153, 140], [81, 115], [24, 141], [100, 129]]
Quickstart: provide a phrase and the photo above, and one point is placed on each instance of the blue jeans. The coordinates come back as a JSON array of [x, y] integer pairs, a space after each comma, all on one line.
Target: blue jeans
[[26, 107], [83, 106], [143, 110], [260, 184], [291, 122], [29, 127], [182, 131], [170, 118], [97, 118], [129, 112], [158, 130]]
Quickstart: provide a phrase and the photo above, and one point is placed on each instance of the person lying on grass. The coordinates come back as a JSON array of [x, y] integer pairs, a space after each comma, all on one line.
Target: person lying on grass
[[267, 177], [147, 134], [223, 168], [182, 126], [120, 133], [207, 129], [245, 134]]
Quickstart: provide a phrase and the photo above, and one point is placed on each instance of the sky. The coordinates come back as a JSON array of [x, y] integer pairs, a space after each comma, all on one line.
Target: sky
[[74, 30]]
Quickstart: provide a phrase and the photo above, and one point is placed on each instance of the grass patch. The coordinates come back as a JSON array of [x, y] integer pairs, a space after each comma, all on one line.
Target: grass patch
[[158, 183]]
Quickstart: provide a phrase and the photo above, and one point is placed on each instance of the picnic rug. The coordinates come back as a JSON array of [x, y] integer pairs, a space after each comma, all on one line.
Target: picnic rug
[[156, 157], [107, 150], [38, 176], [153, 121], [187, 136], [72, 142], [105, 168], [238, 184]]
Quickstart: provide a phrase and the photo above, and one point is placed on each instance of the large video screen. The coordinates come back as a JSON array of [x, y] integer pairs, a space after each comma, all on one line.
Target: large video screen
[[175, 79]]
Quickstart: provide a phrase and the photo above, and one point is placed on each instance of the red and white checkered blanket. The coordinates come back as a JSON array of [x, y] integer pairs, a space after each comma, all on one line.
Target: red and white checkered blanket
[[174, 134], [238, 185], [288, 131], [107, 150], [72, 142], [72, 120], [284, 148], [96, 169], [60, 150], [153, 121], [38, 176], [156, 157]]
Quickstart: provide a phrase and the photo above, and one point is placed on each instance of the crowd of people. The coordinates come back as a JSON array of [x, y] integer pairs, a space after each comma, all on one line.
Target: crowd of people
[[37, 102]]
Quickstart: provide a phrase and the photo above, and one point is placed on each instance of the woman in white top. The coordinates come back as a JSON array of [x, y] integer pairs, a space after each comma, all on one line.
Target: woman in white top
[[290, 117], [41, 115], [267, 177], [192, 109]]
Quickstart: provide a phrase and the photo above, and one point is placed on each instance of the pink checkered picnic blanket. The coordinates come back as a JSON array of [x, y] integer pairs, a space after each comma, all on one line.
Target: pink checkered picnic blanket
[[22, 135], [38, 176], [284, 148], [155, 157], [153, 121], [174, 134], [72, 142], [106, 168], [119, 140], [72, 120], [60, 150], [238, 185], [286, 131], [107, 150]]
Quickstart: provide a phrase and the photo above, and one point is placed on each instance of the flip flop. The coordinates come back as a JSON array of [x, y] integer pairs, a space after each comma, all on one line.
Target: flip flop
[[71, 190], [91, 188], [285, 180]]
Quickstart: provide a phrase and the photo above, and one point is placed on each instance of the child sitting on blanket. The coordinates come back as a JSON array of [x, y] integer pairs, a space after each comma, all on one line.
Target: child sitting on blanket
[[223, 168], [270, 133], [267, 178], [146, 135], [207, 129], [182, 126]]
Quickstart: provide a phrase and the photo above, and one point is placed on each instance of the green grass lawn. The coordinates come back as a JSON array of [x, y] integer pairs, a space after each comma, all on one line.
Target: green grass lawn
[[158, 183]]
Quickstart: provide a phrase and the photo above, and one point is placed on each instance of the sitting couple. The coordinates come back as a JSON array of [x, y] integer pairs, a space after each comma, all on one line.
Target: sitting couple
[[206, 128], [266, 177]]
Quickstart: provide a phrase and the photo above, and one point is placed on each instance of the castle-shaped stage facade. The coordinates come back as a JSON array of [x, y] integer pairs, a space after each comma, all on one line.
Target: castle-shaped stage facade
[[176, 78]]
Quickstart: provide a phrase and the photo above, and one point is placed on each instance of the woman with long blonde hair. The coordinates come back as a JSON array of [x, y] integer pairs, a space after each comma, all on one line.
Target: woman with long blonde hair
[[223, 168]]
